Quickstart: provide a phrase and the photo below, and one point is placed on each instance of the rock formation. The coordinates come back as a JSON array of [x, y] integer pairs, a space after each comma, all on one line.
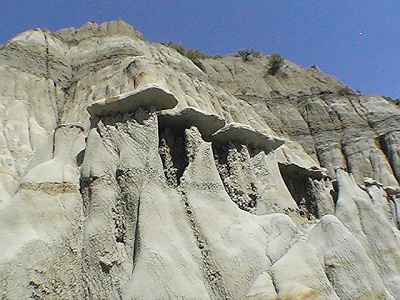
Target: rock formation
[[126, 172]]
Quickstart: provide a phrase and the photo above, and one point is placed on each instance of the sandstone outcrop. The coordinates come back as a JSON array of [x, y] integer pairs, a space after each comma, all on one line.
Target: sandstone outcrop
[[207, 123], [246, 135], [126, 172], [145, 98]]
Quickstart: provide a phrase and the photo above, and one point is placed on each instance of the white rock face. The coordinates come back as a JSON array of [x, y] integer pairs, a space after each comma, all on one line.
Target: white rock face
[[244, 134], [126, 172], [146, 97], [189, 116]]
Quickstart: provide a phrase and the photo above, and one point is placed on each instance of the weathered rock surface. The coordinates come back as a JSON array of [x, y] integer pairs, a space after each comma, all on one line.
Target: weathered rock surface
[[146, 98], [244, 134], [126, 172], [187, 117]]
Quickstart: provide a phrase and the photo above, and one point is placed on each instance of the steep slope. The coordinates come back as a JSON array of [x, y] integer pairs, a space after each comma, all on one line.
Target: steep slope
[[128, 172], [334, 125]]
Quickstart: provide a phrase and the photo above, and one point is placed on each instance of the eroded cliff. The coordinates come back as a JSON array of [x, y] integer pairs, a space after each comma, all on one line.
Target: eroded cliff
[[129, 173]]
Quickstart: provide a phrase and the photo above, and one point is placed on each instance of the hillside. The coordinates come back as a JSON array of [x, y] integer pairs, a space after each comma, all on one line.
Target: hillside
[[127, 172]]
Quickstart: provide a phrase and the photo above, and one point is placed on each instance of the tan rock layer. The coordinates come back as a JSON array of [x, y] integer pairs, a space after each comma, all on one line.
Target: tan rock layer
[[167, 210]]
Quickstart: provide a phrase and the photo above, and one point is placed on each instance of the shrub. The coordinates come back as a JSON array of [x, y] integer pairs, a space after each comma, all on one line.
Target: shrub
[[275, 62], [257, 54], [200, 65], [193, 54], [178, 47], [345, 91], [246, 54], [249, 54]]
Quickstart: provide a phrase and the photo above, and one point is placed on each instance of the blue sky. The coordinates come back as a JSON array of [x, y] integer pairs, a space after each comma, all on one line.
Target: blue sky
[[356, 41]]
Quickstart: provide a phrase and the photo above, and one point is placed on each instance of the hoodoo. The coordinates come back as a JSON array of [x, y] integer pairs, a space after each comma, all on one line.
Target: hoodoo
[[129, 171]]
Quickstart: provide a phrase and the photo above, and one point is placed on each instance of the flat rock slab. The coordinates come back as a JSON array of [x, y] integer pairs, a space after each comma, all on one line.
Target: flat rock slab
[[298, 171], [246, 135], [207, 123], [149, 96]]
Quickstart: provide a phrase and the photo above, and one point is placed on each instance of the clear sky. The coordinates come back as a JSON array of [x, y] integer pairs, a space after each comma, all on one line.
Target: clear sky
[[356, 41]]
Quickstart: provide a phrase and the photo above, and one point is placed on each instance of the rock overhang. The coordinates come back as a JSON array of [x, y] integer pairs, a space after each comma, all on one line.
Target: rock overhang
[[146, 97], [299, 171], [247, 135], [392, 190], [78, 125], [207, 123]]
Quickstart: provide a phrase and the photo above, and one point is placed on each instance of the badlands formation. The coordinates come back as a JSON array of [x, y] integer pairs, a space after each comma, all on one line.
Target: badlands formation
[[126, 172]]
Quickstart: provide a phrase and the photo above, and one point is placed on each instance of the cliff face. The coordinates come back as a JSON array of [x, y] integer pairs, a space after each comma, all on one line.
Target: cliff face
[[128, 172]]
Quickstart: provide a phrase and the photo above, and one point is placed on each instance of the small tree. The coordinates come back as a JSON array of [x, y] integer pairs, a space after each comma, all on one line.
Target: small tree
[[275, 62]]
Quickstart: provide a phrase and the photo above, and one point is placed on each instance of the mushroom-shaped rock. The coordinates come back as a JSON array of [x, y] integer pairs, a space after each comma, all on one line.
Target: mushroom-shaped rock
[[297, 171], [149, 96], [392, 191], [246, 135], [369, 182], [207, 123]]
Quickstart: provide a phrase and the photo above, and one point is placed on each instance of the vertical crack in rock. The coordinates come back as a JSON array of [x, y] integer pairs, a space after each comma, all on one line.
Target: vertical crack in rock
[[312, 131], [124, 180], [173, 155], [119, 212], [274, 283], [126, 213], [136, 243], [174, 152], [346, 156], [335, 192], [54, 142], [85, 189], [396, 210], [330, 273], [51, 87], [326, 130], [47, 56], [388, 144], [79, 158], [232, 162], [393, 196], [131, 71], [209, 266]]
